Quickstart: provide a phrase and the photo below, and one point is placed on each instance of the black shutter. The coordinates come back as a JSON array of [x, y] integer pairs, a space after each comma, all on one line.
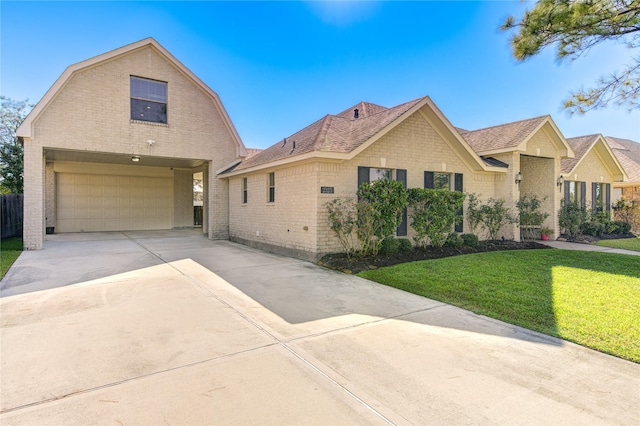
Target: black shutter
[[583, 194], [363, 175], [457, 182], [401, 176], [608, 197], [593, 195], [567, 184], [428, 180]]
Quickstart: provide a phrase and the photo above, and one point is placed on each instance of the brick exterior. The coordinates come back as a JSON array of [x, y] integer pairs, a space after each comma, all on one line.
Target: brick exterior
[[91, 113], [590, 170], [296, 223]]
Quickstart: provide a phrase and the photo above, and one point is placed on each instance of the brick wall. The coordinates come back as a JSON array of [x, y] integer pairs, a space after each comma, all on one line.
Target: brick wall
[[91, 113]]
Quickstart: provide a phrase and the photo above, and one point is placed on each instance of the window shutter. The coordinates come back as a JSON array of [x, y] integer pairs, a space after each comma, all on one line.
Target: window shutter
[[567, 192], [401, 176], [583, 194], [363, 175], [428, 180], [593, 195], [457, 182], [608, 197]]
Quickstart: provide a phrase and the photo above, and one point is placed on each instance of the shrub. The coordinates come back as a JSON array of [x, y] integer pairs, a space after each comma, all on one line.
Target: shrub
[[342, 220], [495, 216], [571, 217], [474, 216], [531, 218], [404, 245], [491, 216], [628, 211], [454, 240], [389, 245], [619, 227], [433, 214], [381, 212], [593, 228], [470, 240]]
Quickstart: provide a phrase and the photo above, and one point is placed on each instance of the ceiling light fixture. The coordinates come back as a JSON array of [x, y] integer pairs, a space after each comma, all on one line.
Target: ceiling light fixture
[[135, 158]]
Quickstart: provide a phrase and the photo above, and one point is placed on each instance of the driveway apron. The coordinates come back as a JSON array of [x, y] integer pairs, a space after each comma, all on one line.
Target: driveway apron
[[168, 327]]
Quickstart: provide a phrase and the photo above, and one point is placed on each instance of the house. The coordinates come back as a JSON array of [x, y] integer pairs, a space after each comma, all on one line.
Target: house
[[587, 178], [277, 197], [114, 145], [118, 140], [628, 154]]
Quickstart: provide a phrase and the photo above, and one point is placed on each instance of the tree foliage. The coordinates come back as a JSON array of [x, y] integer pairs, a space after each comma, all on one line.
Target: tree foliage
[[12, 113], [575, 27]]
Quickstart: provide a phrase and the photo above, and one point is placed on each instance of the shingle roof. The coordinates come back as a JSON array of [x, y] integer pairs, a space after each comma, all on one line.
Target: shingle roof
[[580, 147], [503, 136], [628, 153], [341, 133]]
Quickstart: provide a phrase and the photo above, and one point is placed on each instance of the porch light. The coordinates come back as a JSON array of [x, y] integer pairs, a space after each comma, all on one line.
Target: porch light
[[135, 158], [519, 177], [560, 180]]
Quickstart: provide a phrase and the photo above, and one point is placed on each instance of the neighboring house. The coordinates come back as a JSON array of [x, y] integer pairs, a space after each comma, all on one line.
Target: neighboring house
[[587, 178], [277, 197], [114, 145], [628, 153]]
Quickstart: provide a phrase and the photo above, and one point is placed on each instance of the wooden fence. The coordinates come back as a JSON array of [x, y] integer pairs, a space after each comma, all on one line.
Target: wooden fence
[[12, 215]]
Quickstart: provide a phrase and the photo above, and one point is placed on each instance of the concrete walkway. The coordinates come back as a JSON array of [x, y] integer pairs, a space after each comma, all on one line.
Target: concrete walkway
[[171, 328], [564, 245]]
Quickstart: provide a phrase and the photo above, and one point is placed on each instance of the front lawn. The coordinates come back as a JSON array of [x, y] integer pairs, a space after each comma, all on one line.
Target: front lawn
[[10, 249], [589, 298], [622, 243]]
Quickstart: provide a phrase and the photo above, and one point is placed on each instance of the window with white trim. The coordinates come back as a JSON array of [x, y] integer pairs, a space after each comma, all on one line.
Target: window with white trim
[[148, 100]]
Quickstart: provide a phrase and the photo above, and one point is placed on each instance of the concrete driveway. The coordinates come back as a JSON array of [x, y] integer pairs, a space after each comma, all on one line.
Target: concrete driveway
[[171, 328]]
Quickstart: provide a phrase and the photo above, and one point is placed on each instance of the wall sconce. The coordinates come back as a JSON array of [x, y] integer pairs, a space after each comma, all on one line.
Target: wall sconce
[[135, 158], [519, 178], [560, 180]]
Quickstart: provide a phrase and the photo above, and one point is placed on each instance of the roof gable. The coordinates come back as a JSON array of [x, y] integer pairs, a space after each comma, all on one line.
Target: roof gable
[[25, 130], [628, 153], [514, 136], [597, 144]]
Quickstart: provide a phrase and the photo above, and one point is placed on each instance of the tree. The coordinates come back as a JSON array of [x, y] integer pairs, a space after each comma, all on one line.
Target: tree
[[575, 27], [12, 113]]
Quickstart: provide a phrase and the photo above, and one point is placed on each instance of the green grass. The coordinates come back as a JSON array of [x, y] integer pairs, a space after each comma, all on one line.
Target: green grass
[[10, 249], [622, 243], [589, 298]]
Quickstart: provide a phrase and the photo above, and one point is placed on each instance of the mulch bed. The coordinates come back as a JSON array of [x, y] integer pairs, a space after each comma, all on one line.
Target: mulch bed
[[339, 261]]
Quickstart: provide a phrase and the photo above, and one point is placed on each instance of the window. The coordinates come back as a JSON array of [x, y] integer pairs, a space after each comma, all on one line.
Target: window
[[379, 174], [148, 100], [244, 190], [272, 187], [575, 192], [598, 196], [441, 180]]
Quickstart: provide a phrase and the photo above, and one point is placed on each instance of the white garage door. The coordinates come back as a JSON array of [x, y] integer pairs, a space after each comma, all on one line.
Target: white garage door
[[87, 202]]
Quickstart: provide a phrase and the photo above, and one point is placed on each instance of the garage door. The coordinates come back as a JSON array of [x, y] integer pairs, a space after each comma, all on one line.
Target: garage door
[[87, 202]]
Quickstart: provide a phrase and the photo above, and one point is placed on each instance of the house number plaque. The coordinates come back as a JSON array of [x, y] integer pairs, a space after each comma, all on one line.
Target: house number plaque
[[326, 189]]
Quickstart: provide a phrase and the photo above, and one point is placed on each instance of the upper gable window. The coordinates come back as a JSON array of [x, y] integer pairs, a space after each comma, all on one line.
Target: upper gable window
[[148, 100]]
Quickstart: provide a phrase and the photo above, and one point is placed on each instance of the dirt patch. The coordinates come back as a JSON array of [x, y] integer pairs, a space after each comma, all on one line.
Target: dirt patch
[[340, 262]]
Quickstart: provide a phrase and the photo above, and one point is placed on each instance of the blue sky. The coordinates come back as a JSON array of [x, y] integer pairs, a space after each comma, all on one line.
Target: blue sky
[[279, 66]]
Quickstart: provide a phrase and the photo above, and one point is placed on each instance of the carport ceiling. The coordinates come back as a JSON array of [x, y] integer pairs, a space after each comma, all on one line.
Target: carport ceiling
[[110, 158]]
